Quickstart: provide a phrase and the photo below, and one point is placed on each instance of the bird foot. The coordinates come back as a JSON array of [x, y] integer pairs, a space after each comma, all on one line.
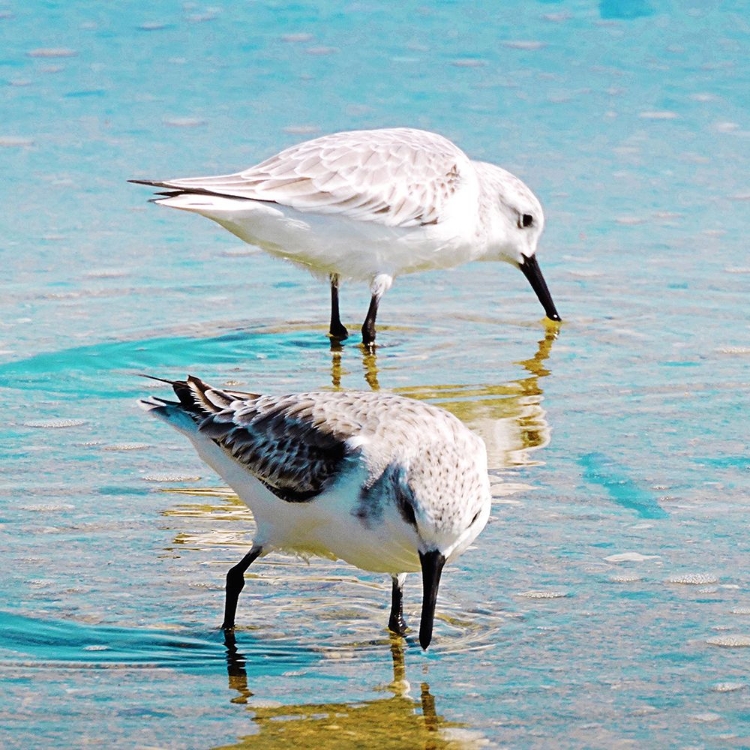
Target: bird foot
[[398, 626], [338, 332], [369, 347]]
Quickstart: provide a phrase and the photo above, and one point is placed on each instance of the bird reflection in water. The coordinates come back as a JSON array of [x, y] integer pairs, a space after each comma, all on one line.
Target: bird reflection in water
[[336, 367], [394, 721], [509, 416], [369, 365]]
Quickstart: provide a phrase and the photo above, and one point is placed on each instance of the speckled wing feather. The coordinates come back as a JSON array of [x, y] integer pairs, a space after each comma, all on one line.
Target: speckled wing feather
[[278, 439], [398, 177]]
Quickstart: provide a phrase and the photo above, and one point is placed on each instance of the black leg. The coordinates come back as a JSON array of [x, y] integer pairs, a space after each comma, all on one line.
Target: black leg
[[337, 330], [235, 584], [368, 327], [396, 622]]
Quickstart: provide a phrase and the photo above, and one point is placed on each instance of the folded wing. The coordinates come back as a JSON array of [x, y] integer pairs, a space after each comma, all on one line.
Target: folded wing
[[277, 439], [398, 177]]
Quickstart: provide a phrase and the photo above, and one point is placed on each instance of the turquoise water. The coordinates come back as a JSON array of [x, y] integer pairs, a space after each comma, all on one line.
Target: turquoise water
[[607, 604]]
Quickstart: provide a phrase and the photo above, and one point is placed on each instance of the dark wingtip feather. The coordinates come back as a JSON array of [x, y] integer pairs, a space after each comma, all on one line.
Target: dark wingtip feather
[[152, 183], [154, 377], [185, 390], [172, 190], [191, 392]]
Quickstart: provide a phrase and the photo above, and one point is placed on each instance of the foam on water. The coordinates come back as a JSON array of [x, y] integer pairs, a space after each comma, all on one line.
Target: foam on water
[[731, 640], [693, 579]]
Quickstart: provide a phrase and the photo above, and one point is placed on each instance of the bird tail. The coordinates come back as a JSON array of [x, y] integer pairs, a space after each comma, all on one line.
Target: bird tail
[[196, 401], [170, 412], [205, 204], [222, 195]]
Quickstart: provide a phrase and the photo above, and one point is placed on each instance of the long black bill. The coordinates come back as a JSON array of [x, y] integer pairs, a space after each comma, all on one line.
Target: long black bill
[[432, 567], [533, 273]]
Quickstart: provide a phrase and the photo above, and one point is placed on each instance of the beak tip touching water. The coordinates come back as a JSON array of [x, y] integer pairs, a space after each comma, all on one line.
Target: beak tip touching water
[[432, 567], [530, 269]]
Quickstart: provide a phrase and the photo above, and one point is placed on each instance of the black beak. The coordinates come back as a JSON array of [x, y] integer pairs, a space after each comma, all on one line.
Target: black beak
[[533, 273], [432, 567]]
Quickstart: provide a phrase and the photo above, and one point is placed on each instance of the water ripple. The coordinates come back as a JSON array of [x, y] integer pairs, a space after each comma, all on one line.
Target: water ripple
[[54, 644]]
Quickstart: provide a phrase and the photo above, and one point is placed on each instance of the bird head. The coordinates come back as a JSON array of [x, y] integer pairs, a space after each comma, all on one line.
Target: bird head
[[451, 505], [514, 222]]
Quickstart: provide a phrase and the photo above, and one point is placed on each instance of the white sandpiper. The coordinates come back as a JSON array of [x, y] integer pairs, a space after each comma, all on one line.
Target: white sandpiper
[[386, 483], [369, 205]]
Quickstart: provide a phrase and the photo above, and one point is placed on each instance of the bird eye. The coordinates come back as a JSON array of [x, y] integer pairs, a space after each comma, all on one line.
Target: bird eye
[[526, 220]]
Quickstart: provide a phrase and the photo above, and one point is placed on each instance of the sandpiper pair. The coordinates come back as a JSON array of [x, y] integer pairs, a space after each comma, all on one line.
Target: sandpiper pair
[[385, 483]]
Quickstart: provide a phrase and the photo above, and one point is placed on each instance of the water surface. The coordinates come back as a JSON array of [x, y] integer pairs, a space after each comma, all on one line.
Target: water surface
[[607, 604]]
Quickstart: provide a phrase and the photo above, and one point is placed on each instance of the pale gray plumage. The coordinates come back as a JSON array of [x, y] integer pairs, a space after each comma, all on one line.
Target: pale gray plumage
[[398, 182], [371, 205]]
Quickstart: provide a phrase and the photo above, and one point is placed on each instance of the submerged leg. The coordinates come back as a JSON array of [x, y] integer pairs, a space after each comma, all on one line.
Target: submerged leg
[[235, 584], [379, 286], [396, 622], [337, 330], [368, 327]]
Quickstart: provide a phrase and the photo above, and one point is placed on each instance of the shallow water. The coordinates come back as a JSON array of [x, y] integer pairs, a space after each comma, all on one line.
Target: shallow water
[[607, 604]]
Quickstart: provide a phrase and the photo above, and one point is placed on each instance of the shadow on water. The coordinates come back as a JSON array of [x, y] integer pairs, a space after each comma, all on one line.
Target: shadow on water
[[80, 369], [625, 9], [602, 470], [397, 720], [56, 644]]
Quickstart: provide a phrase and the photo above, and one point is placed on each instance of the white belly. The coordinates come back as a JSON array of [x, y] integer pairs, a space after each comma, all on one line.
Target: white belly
[[333, 243], [324, 526]]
